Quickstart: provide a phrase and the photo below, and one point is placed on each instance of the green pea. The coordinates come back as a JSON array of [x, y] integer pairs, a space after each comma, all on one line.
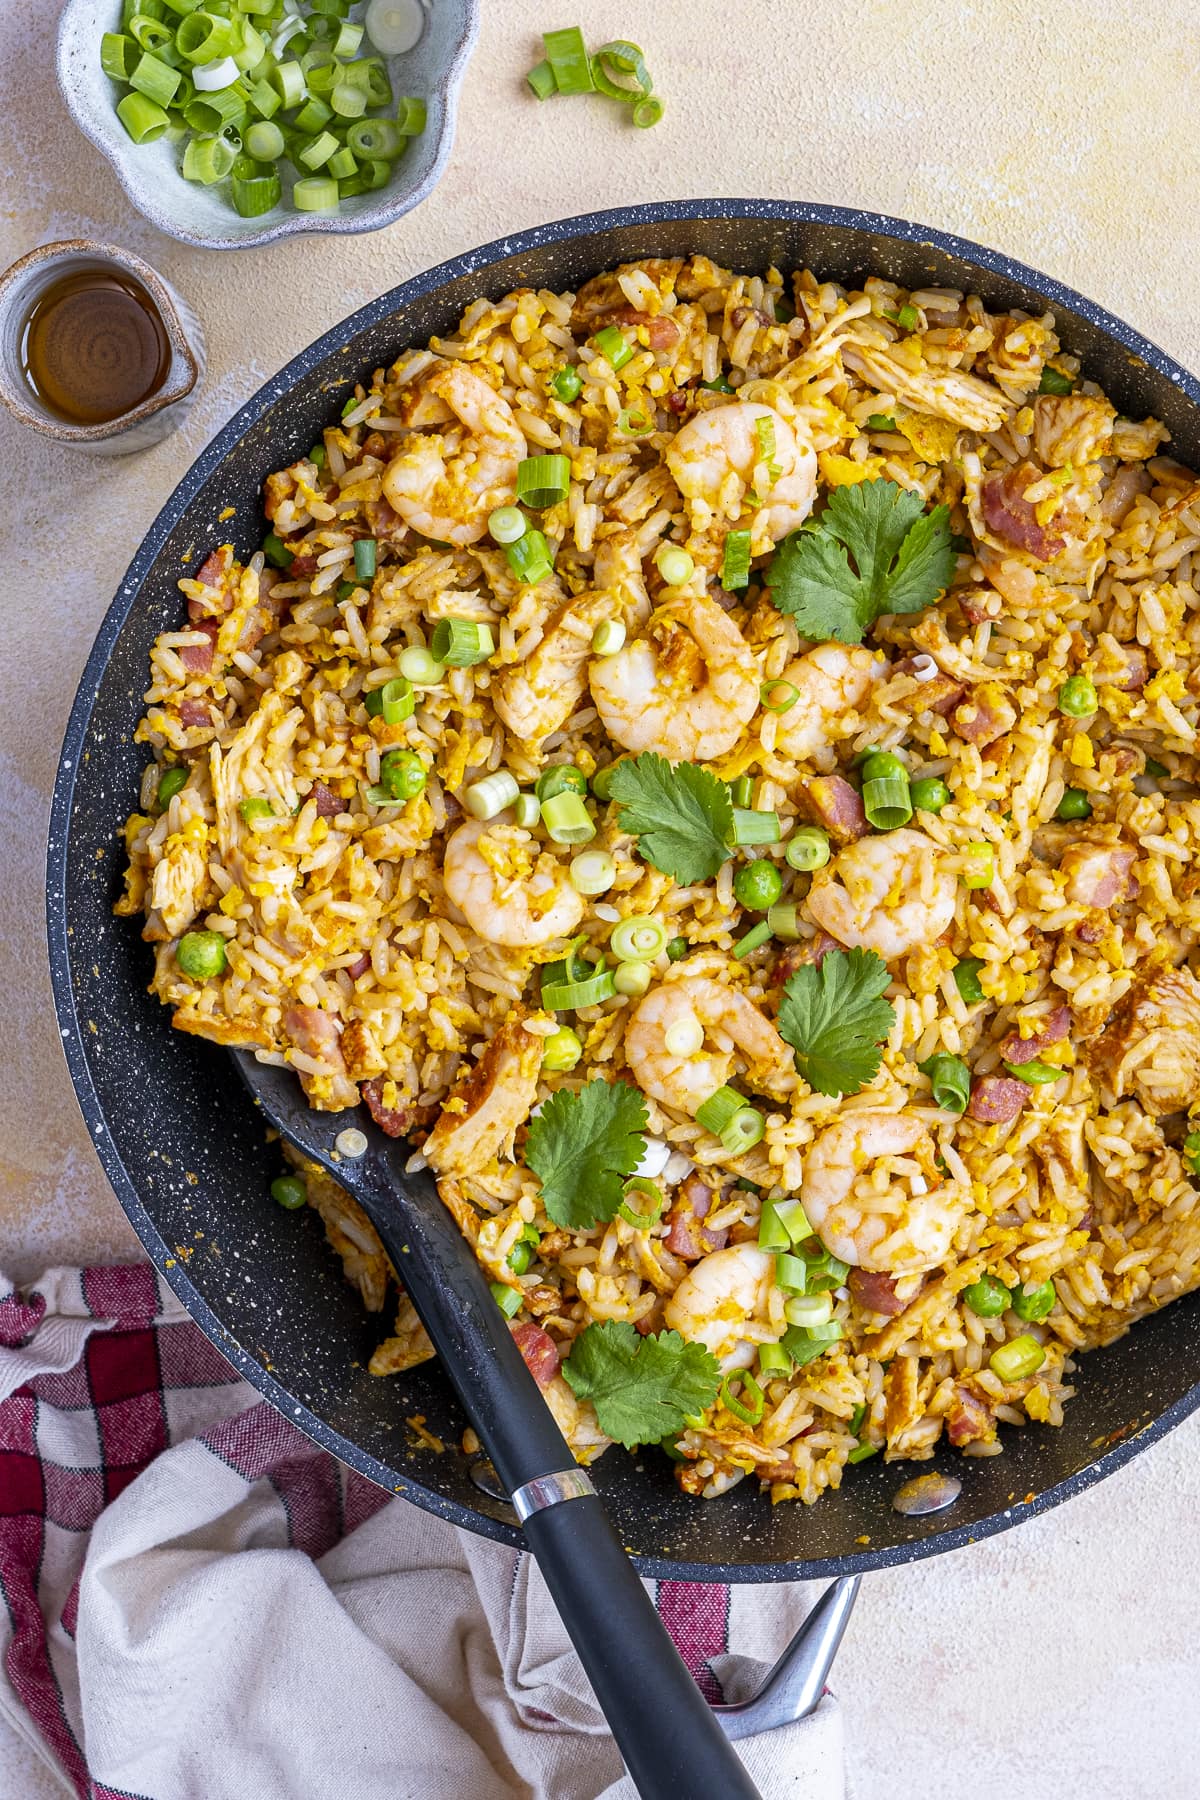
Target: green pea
[[201, 954], [521, 1256], [256, 807], [402, 774], [567, 384], [1074, 805], [966, 979], [881, 765], [1077, 697], [170, 782], [987, 1297], [560, 778], [560, 1052], [289, 1191], [758, 885], [677, 949], [1191, 1151], [1034, 1303], [930, 794]]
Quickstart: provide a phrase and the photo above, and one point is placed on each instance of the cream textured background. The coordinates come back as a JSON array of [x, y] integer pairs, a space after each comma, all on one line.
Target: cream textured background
[[1059, 1659]]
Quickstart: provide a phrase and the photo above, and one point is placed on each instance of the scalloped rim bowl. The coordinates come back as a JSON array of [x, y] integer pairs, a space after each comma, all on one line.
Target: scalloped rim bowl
[[203, 216]]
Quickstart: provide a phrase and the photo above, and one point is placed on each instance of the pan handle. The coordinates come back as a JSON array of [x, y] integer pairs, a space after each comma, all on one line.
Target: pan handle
[[670, 1739]]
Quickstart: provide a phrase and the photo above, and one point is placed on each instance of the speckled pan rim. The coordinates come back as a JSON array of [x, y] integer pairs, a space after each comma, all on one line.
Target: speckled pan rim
[[935, 1538], [291, 224]]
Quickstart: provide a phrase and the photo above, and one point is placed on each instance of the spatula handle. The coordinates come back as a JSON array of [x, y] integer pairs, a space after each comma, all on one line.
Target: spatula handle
[[671, 1742]]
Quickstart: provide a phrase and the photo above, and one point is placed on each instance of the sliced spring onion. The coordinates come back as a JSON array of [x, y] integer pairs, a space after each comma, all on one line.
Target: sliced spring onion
[[569, 996], [750, 827], [719, 386], [794, 1219], [506, 524], [773, 1359], [772, 1233], [420, 666], [633, 422], [908, 318], [461, 643], [255, 807], [778, 696], [1020, 1357], [561, 1051], [950, 1080], [640, 938], [543, 481], [791, 1272], [213, 77], [966, 979], [568, 59], [755, 938], [749, 1407], [346, 100], [318, 153], [373, 139], [560, 778], [980, 871], [529, 558], [741, 791], [342, 165], [208, 160], [509, 1299], [1055, 382], [639, 1188], [347, 41], [675, 565], [647, 111], [887, 802], [567, 819], [735, 567], [862, 1452], [170, 783], [393, 702], [254, 195], [143, 120], [592, 872], [881, 422], [203, 37], [684, 1037], [806, 1343], [608, 637], [364, 559], [264, 141], [315, 193], [809, 1310], [719, 1109], [118, 55], [489, 796], [541, 80], [394, 26], [620, 58], [150, 34], [783, 922], [527, 810], [807, 849], [1035, 1073], [375, 174], [614, 346], [632, 978], [289, 80]]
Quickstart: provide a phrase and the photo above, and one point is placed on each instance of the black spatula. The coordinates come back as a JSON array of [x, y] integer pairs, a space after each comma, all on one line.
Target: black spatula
[[673, 1746]]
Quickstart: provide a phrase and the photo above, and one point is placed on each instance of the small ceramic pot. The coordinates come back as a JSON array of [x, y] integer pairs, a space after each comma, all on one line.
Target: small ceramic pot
[[160, 413]]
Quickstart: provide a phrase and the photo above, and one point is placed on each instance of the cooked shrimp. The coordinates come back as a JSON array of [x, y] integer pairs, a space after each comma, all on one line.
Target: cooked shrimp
[[718, 458], [732, 1025], [618, 567], [481, 1115], [445, 486], [537, 696], [884, 893], [722, 1302], [687, 689], [874, 1195], [832, 681], [509, 892]]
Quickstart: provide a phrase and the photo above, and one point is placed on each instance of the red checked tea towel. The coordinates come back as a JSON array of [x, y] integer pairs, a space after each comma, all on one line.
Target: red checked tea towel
[[201, 1605]]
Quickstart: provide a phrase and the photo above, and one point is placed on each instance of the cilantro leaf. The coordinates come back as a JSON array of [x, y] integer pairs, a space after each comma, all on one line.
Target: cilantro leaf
[[682, 816], [641, 1387], [583, 1146], [903, 560], [836, 1021]]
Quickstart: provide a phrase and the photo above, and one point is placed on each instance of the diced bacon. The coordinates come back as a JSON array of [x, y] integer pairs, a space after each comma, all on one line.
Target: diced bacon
[[938, 694], [979, 604], [329, 804], [689, 1238], [1018, 1049], [540, 1352], [1097, 874], [997, 1099], [359, 968], [199, 657], [1011, 518], [876, 1292], [661, 333], [316, 1033], [1134, 672], [195, 712], [302, 568], [677, 400], [276, 489], [385, 523], [376, 445], [651, 1321], [969, 1420], [395, 1120], [740, 314], [831, 802], [214, 574], [214, 570], [795, 956], [984, 715], [1088, 933]]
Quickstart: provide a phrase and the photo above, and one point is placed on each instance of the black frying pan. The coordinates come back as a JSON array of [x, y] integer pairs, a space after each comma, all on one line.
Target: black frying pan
[[185, 1149]]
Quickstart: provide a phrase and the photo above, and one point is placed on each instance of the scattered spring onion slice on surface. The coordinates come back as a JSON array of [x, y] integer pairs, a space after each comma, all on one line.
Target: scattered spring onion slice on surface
[[966, 979], [783, 921], [748, 1408], [420, 666], [461, 643], [751, 827], [506, 524], [778, 696], [674, 564], [637, 1189], [485, 798], [592, 872], [735, 566], [614, 346], [632, 979], [529, 558], [640, 938], [543, 481], [950, 1080], [567, 819], [754, 940], [527, 809], [608, 637], [1020, 1357]]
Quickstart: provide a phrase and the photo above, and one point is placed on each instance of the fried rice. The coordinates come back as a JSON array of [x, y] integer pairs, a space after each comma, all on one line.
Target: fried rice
[[377, 962]]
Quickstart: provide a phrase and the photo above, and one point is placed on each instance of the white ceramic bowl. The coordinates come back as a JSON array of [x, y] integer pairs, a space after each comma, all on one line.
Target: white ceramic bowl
[[203, 216]]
